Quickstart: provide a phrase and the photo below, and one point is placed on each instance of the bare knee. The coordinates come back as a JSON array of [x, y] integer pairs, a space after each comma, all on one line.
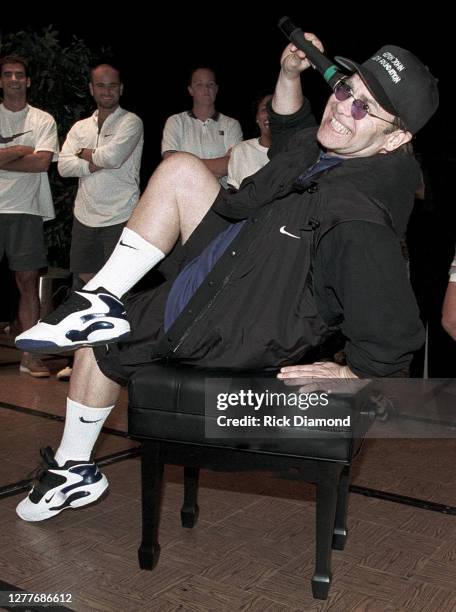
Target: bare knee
[[180, 160], [188, 171], [178, 195]]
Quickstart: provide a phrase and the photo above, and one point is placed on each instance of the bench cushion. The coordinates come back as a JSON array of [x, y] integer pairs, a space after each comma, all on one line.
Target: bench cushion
[[167, 402]]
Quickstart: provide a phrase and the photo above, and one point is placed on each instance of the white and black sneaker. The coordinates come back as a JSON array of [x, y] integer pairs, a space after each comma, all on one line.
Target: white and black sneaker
[[86, 318], [75, 484]]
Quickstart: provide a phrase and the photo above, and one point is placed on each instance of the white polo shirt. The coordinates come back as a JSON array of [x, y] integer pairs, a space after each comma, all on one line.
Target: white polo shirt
[[246, 158], [27, 192], [206, 139], [108, 196]]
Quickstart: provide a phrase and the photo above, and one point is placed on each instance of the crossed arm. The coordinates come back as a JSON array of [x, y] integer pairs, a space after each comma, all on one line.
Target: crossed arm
[[23, 158], [87, 155], [76, 161]]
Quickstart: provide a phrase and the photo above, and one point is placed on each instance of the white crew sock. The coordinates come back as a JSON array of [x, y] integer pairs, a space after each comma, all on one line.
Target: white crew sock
[[82, 427], [131, 259]]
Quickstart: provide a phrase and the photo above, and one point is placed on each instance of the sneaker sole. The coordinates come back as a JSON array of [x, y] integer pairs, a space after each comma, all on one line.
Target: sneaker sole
[[64, 374], [45, 346], [96, 493], [33, 373]]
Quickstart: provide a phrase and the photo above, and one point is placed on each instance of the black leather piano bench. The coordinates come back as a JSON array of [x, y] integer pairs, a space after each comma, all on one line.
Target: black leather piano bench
[[169, 413]]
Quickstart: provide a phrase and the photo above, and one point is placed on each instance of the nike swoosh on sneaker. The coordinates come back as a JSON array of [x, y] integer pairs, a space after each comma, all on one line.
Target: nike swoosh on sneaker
[[83, 420], [49, 499], [283, 231], [122, 243]]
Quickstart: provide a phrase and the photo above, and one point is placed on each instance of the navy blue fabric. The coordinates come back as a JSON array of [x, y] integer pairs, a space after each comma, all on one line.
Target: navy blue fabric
[[194, 273], [324, 162]]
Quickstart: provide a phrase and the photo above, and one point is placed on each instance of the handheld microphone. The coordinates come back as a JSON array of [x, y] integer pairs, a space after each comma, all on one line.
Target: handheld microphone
[[331, 73]]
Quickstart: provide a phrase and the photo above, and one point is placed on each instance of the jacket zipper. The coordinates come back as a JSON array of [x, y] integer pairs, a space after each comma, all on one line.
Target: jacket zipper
[[198, 318]]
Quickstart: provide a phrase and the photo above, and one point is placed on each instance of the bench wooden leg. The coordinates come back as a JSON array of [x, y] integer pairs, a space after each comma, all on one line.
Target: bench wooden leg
[[328, 477], [151, 496], [190, 509], [340, 523]]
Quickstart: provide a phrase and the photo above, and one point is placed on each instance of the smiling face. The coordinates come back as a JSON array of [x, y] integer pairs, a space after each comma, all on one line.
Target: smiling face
[[105, 87], [262, 117], [345, 136], [14, 81]]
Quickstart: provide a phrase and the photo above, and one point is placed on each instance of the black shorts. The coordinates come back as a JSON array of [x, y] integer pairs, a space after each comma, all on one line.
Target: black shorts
[[22, 241], [145, 311], [92, 246]]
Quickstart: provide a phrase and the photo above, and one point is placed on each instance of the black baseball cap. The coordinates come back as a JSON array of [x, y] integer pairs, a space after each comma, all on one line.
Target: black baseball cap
[[400, 83]]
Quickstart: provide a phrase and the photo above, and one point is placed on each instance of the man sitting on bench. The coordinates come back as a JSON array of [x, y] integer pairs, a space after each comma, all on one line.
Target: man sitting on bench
[[262, 278]]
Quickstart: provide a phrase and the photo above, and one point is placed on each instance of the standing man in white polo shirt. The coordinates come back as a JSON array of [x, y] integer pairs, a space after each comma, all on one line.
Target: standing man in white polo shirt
[[28, 143], [203, 131], [104, 152]]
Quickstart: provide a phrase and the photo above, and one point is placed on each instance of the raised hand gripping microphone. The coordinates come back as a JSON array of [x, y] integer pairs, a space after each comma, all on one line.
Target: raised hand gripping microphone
[[331, 73]]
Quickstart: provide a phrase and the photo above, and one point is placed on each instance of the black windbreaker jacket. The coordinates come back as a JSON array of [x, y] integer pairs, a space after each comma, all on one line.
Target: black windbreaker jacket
[[305, 264]]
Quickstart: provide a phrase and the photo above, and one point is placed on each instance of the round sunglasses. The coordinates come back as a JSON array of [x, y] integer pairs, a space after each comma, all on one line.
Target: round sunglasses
[[359, 109]]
